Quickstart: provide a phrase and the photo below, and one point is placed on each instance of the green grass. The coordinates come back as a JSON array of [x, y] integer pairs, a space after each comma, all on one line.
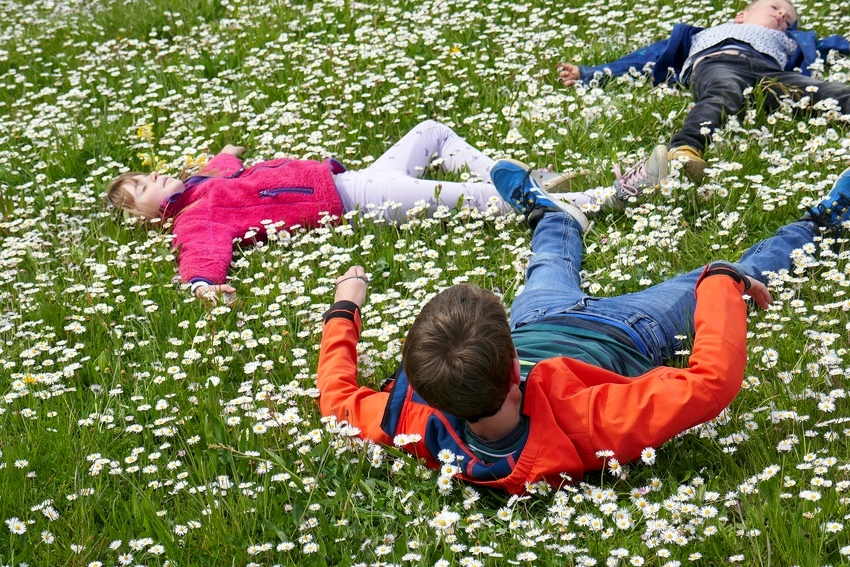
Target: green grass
[[139, 422]]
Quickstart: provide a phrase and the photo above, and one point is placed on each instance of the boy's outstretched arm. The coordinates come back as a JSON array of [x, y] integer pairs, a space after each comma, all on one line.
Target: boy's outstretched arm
[[627, 418], [336, 377], [759, 292], [351, 286], [569, 74]]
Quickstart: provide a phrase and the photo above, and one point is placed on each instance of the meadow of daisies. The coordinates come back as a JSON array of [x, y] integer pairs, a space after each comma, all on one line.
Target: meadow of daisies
[[140, 426]]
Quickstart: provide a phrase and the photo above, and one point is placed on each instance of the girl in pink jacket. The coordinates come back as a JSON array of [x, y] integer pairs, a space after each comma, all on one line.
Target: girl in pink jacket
[[224, 201]]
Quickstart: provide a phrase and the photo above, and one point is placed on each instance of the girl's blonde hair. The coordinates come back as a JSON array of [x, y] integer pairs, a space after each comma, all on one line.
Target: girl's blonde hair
[[120, 198]]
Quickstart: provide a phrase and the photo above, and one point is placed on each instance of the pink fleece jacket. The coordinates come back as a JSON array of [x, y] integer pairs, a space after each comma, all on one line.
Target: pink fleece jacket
[[224, 201]]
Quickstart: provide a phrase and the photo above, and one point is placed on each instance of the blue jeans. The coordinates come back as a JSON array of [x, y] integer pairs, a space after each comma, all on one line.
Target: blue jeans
[[654, 317], [718, 83]]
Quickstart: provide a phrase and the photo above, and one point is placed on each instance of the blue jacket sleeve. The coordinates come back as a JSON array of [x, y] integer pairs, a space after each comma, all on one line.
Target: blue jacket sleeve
[[833, 43], [667, 54], [809, 48], [635, 60]]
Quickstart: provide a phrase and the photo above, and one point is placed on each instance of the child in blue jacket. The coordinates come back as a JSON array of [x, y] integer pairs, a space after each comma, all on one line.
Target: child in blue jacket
[[761, 46]]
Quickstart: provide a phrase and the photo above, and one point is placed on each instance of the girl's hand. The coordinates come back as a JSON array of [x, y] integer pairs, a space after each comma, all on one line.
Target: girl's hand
[[351, 286], [212, 293], [233, 150]]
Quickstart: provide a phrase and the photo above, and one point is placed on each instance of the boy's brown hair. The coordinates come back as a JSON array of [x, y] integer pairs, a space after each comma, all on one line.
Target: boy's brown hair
[[458, 354]]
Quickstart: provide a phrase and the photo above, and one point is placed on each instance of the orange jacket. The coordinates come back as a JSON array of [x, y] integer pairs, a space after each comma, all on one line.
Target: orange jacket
[[575, 409]]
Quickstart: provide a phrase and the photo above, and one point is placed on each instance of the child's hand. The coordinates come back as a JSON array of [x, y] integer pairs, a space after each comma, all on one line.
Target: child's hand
[[568, 74], [351, 286], [212, 293], [759, 292], [233, 150]]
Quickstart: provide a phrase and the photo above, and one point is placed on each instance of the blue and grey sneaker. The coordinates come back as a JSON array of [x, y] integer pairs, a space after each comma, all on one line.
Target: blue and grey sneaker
[[516, 184], [834, 210]]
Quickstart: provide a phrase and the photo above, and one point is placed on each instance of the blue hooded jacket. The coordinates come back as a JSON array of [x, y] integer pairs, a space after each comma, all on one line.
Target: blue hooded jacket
[[670, 54]]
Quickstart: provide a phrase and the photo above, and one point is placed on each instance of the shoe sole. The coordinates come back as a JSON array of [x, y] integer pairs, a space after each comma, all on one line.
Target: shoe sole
[[553, 181], [662, 162], [577, 215], [694, 168]]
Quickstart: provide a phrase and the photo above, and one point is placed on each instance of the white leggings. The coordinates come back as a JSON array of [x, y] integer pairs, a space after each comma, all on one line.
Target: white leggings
[[396, 176]]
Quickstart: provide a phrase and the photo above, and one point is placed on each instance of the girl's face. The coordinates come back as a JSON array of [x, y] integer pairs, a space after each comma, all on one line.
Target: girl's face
[[148, 191]]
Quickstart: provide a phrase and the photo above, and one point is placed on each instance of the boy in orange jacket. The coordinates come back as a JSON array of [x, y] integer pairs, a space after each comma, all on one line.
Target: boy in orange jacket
[[569, 376]]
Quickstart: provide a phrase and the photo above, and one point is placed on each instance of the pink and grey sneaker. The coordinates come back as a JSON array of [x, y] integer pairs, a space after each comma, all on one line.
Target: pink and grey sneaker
[[647, 174]]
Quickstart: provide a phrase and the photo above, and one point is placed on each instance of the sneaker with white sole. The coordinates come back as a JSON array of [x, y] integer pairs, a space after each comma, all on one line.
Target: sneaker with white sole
[[645, 175], [834, 211], [586, 201], [516, 184]]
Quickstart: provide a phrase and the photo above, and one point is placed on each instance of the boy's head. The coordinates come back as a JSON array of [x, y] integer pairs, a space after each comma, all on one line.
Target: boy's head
[[458, 355], [142, 194], [774, 14]]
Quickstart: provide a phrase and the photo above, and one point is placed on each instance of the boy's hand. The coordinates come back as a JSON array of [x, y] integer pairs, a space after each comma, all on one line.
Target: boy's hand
[[351, 286], [752, 287], [568, 74], [759, 292], [212, 293], [233, 150]]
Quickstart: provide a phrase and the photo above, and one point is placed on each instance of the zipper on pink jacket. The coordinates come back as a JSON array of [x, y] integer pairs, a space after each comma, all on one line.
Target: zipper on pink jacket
[[279, 190]]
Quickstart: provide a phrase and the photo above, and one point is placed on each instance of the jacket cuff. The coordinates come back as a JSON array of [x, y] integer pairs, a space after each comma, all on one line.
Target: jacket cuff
[[342, 309], [198, 282], [725, 269], [336, 166]]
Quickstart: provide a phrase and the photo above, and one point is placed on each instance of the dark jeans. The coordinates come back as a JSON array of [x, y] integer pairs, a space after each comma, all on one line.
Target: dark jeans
[[718, 85]]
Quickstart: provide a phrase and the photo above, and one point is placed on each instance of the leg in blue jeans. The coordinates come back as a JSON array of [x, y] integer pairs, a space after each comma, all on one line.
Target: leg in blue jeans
[[658, 314], [552, 283]]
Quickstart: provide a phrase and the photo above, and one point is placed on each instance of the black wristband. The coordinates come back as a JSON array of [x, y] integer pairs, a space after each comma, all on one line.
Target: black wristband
[[726, 270]]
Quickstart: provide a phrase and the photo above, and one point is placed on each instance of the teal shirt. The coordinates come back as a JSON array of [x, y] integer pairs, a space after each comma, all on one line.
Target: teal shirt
[[581, 340]]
